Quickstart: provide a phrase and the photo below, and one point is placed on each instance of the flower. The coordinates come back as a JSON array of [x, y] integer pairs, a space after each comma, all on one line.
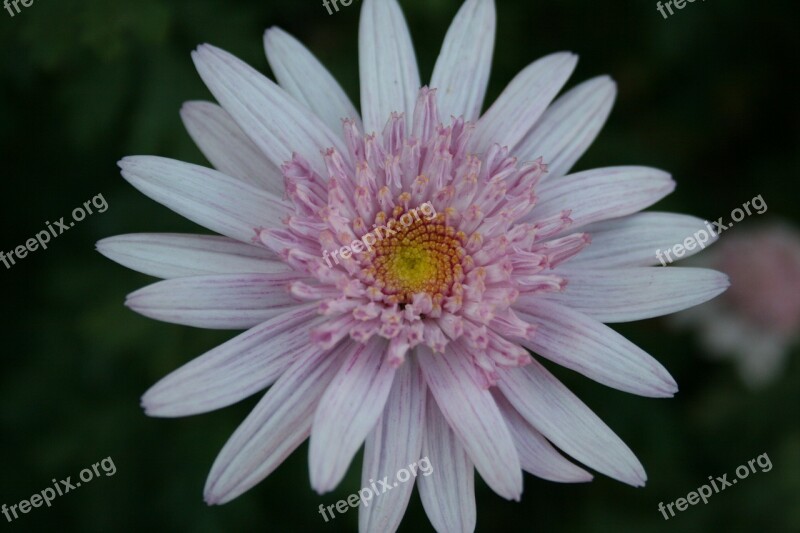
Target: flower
[[757, 321], [416, 347]]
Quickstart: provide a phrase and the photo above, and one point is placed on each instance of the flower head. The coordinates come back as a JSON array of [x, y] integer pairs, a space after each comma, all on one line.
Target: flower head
[[395, 267]]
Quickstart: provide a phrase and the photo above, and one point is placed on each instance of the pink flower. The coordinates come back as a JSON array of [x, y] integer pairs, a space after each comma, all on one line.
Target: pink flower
[[758, 320], [419, 346]]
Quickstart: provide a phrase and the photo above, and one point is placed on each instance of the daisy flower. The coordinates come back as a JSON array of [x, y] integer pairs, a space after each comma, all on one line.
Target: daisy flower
[[420, 346], [757, 322]]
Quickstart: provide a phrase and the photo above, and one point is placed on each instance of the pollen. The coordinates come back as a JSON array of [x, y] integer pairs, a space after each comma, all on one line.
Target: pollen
[[423, 256]]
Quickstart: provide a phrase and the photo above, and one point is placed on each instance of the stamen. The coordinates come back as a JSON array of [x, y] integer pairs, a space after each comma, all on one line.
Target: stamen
[[416, 255]]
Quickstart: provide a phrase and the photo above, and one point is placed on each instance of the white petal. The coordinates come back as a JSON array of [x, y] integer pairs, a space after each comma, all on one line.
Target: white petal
[[229, 301], [522, 103], [166, 255], [628, 294], [209, 198], [301, 75], [275, 122], [461, 74], [348, 411], [536, 454], [474, 416], [634, 240], [387, 64], [566, 421], [601, 194], [393, 445], [569, 126], [448, 494], [275, 428], [236, 369], [583, 344], [228, 148]]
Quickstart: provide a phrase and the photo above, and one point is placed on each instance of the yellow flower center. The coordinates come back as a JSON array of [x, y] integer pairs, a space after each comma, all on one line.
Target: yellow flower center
[[423, 256]]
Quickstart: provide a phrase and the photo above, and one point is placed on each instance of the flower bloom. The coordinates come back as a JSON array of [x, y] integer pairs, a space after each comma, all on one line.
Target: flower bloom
[[419, 346], [758, 320]]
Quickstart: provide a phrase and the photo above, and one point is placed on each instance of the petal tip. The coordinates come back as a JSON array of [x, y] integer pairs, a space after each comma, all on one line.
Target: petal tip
[[211, 499], [274, 32], [125, 162], [147, 407]]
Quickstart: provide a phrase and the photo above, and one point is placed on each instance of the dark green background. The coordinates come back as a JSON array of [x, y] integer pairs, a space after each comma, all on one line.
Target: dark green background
[[710, 95]]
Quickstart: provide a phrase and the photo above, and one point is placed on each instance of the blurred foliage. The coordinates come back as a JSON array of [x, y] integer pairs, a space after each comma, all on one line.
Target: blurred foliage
[[709, 94]]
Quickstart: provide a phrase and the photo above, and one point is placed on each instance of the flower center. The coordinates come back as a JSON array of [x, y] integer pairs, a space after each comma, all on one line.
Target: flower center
[[415, 256]]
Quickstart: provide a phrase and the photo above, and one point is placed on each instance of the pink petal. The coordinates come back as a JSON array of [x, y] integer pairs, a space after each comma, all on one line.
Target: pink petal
[[461, 74], [474, 416], [218, 202], [536, 454], [569, 126], [601, 194], [583, 344], [522, 103], [275, 428], [348, 411], [448, 494], [393, 445], [566, 422], [275, 122], [236, 369], [166, 255], [230, 301], [388, 65], [628, 294], [301, 75], [228, 148], [635, 239]]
